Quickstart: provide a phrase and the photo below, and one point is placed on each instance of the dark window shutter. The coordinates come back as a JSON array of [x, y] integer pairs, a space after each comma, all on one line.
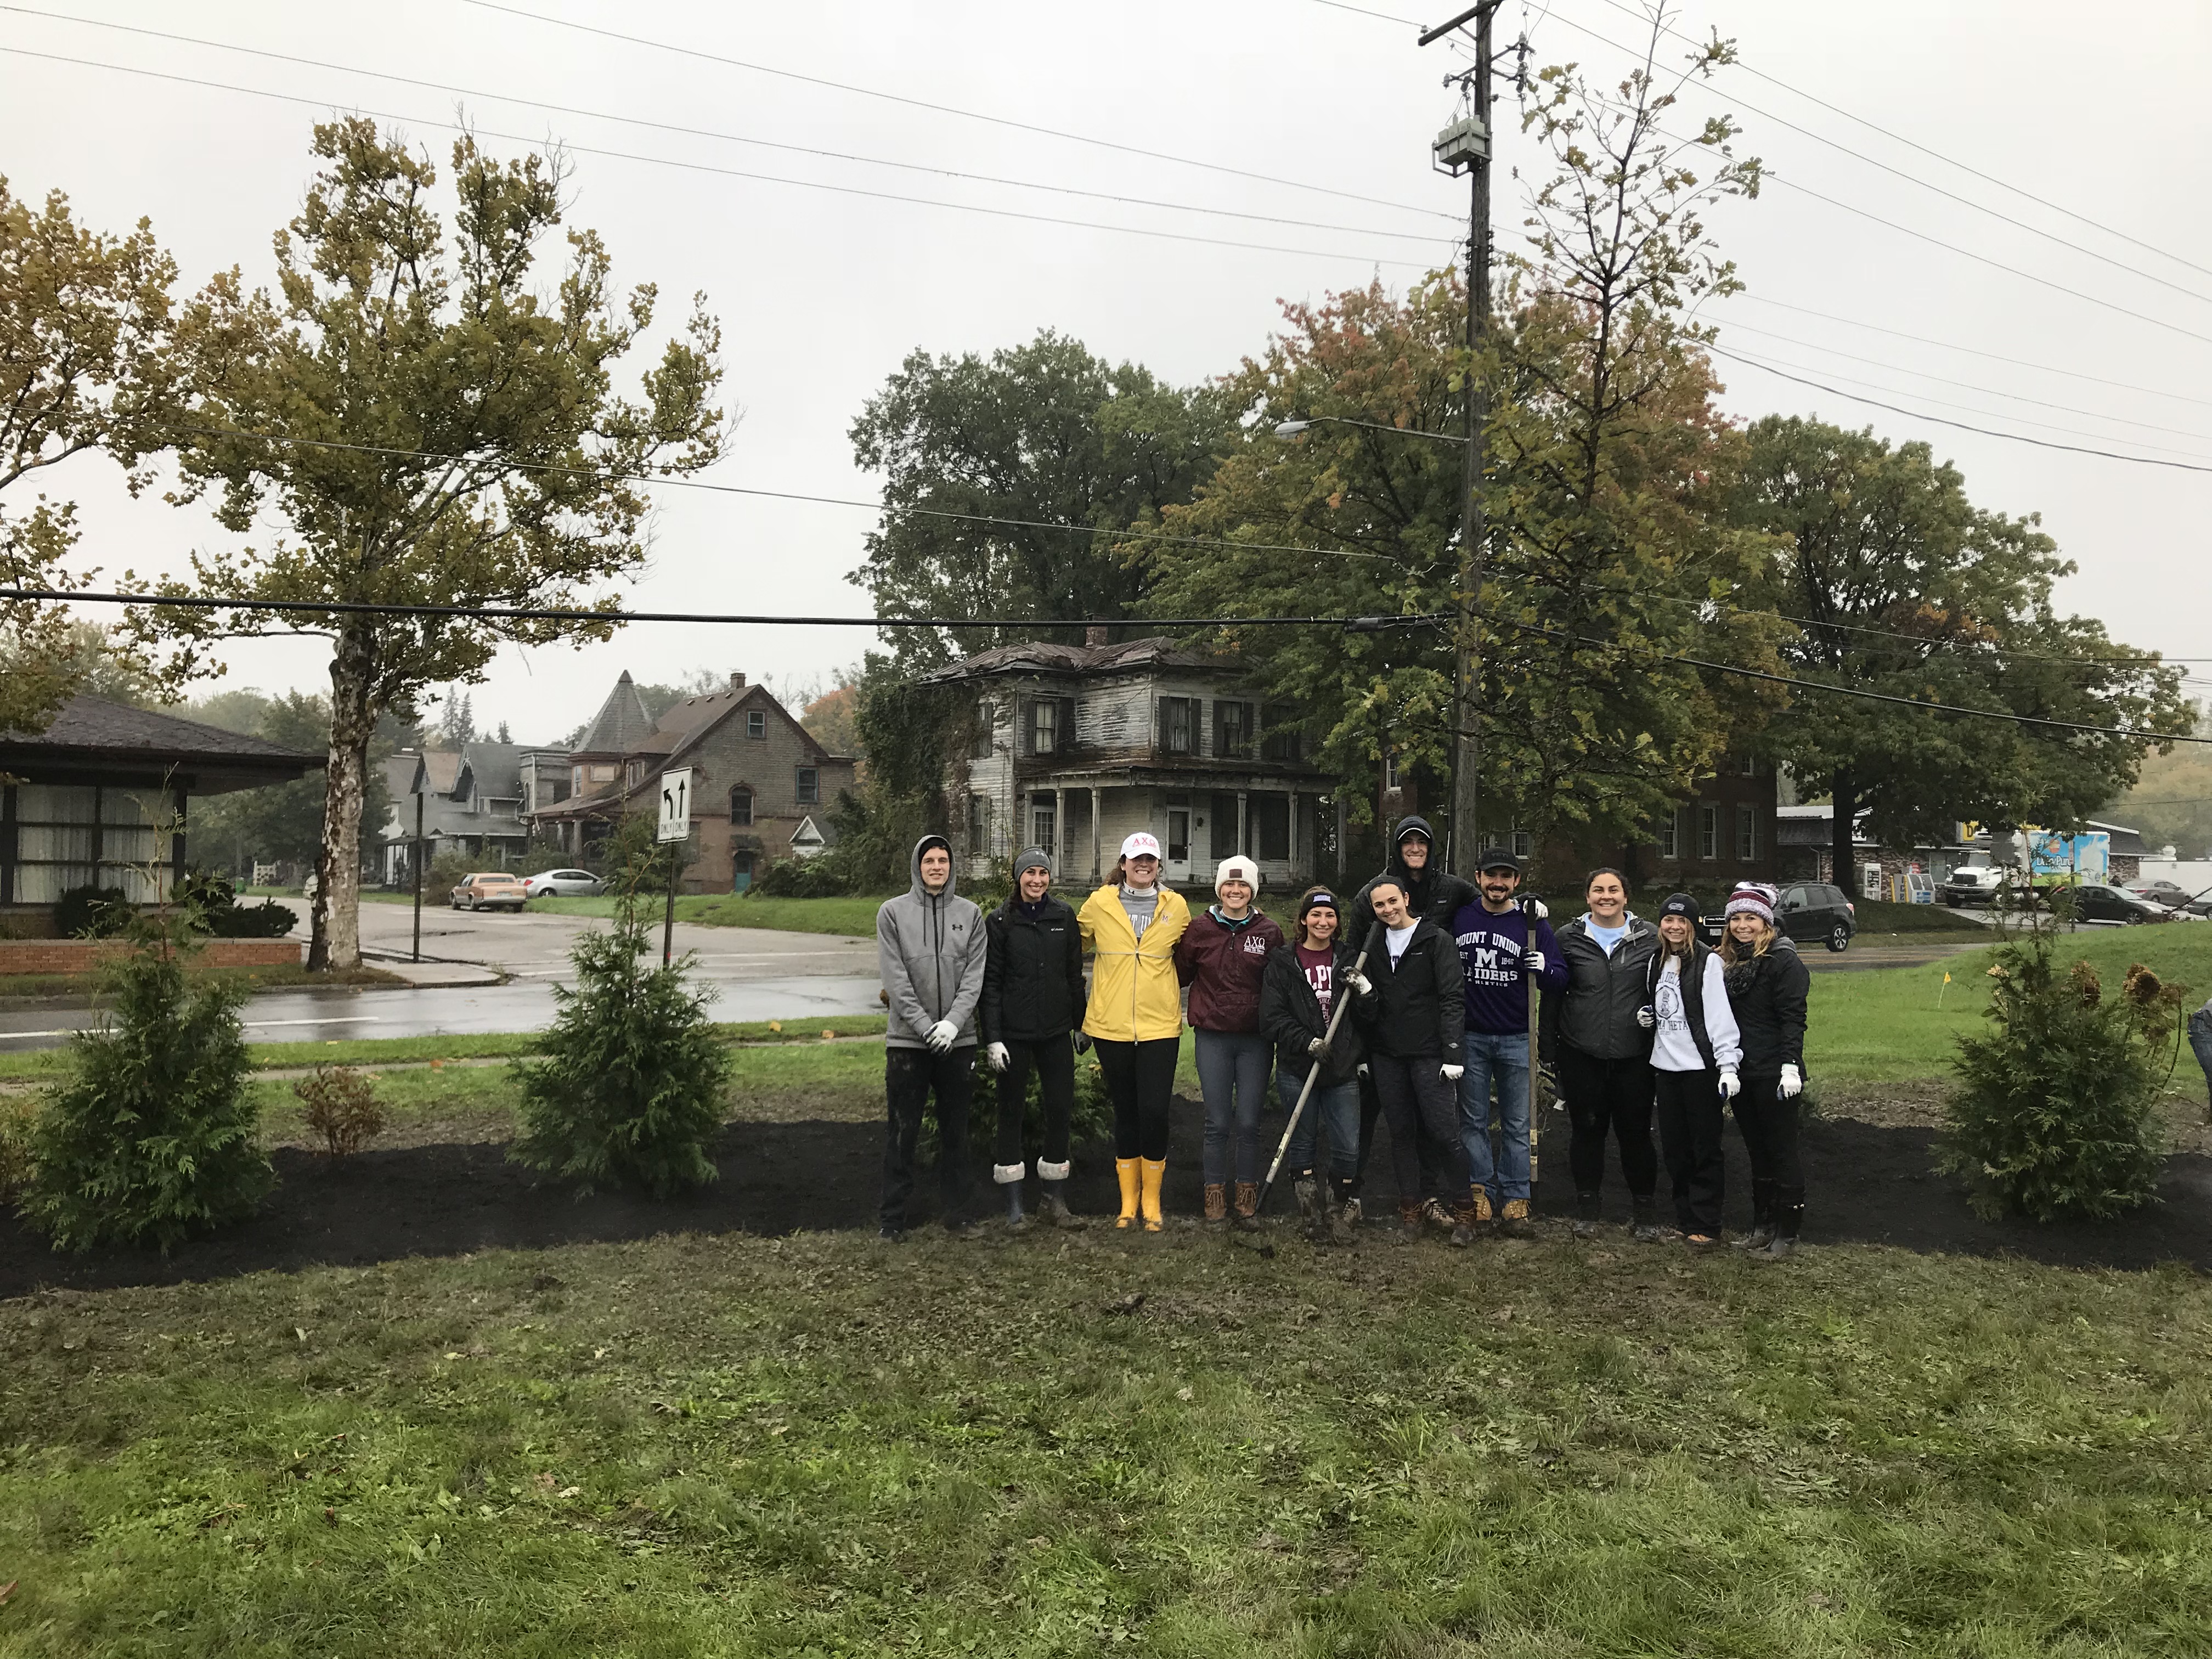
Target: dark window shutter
[[1029, 726], [1167, 728], [1064, 739]]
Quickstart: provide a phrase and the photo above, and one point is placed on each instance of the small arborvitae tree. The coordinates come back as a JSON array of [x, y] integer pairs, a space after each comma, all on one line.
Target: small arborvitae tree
[[630, 1080], [2054, 1112], [342, 1107], [152, 1136]]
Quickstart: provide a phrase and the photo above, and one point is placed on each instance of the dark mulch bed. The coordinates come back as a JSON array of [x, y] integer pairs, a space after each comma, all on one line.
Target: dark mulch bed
[[1869, 1183]]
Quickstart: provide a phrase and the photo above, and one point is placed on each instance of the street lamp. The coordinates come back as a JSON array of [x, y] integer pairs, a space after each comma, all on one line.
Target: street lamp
[[1298, 424]]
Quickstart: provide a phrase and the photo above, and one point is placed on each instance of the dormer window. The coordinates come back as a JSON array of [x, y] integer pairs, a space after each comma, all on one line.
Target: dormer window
[[757, 724]]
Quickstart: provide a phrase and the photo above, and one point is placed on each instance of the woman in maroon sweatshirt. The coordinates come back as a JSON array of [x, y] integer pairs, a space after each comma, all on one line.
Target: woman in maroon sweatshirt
[[1223, 957]]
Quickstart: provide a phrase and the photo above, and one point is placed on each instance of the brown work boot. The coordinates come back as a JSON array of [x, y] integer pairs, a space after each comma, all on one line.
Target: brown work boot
[[1514, 1222], [1247, 1210], [1433, 1212], [1216, 1203], [1472, 1222], [1409, 1215]]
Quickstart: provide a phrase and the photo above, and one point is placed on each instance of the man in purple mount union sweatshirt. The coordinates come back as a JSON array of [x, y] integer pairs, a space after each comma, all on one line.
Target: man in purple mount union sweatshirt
[[1496, 955]]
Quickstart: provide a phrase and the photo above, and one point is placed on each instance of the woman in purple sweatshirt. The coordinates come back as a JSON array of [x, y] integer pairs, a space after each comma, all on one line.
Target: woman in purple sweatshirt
[[1497, 956]]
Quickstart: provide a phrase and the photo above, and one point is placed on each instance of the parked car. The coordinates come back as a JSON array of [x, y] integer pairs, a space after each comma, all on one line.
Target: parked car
[[2162, 891], [563, 884], [1808, 912], [489, 890], [2094, 902]]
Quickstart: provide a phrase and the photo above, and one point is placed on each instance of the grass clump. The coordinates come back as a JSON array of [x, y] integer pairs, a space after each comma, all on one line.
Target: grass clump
[[340, 1104], [2054, 1112], [150, 1134], [630, 1084]]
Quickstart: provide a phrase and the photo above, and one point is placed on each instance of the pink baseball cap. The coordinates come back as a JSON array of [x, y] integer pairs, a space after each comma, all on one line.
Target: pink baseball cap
[[1142, 845]]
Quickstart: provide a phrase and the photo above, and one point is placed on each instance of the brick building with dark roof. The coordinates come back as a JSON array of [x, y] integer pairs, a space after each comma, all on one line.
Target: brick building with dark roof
[[102, 798], [757, 776]]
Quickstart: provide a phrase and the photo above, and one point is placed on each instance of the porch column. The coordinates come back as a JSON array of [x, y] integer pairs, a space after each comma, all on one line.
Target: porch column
[[1096, 868], [1059, 848], [1243, 833], [1294, 836]]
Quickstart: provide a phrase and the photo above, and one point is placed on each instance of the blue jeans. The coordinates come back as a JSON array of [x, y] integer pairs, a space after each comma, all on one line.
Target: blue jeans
[[1336, 1109], [1232, 1075], [1502, 1058]]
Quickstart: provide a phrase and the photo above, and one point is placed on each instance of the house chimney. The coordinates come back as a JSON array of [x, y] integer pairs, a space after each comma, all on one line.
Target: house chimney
[[1095, 635], [737, 682]]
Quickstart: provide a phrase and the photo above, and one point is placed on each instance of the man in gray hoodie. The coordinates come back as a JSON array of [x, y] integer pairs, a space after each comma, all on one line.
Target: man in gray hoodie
[[930, 950]]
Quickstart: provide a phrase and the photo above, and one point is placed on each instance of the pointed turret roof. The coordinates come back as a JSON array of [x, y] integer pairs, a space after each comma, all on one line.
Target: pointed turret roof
[[621, 724]]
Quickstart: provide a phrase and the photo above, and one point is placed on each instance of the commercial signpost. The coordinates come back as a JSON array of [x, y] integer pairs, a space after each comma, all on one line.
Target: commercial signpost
[[675, 826]]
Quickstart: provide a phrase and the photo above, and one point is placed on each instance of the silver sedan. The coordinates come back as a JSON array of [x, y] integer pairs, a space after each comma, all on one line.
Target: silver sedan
[[563, 884]]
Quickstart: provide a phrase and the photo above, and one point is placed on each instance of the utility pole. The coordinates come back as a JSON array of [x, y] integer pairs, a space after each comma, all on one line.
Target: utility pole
[[1464, 147]]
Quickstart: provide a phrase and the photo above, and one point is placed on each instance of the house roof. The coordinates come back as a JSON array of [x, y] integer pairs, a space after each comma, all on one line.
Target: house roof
[[1047, 657], [2126, 843], [621, 724], [496, 769], [815, 832], [439, 769], [91, 736]]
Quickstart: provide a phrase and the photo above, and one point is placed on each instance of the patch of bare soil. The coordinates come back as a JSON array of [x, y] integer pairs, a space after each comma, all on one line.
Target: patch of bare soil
[[1868, 1182], [1919, 1104]]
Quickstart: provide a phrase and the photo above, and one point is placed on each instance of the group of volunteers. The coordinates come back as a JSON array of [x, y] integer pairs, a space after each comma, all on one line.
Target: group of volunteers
[[1414, 1001]]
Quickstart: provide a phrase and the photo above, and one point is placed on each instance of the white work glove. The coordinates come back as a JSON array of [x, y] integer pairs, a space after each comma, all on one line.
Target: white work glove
[[1317, 1046], [940, 1035], [1793, 1083], [1645, 1017], [1731, 1085], [1536, 961], [1363, 1071], [996, 1054], [1453, 1073], [1361, 985]]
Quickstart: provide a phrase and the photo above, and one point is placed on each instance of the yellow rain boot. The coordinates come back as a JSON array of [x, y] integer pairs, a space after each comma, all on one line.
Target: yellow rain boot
[[1155, 1171], [1126, 1169]]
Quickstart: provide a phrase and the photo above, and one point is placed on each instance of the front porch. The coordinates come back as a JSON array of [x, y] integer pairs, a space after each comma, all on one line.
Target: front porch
[[1284, 825]]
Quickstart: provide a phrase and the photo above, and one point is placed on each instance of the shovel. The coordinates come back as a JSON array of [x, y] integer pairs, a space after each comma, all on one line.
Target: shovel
[[1282, 1146]]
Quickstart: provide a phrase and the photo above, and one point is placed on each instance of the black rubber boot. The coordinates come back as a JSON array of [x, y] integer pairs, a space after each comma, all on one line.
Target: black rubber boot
[[1053, 1209], [1016, 1221], [1645, 1228], [1587, 1210], [1787, 1218]]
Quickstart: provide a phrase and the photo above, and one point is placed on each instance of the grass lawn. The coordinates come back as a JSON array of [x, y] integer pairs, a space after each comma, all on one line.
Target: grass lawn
[[822, 1445], [393, 1051], [1884, 1024], [855, 916]]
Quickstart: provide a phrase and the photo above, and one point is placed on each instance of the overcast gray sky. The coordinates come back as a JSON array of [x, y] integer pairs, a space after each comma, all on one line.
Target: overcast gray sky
[[821, 293]]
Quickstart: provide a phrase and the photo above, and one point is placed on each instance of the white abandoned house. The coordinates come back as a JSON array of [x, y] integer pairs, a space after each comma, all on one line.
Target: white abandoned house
[[1075, 746]]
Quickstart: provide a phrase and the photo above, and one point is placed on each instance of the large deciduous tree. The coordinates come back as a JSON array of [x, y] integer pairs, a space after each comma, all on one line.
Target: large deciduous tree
[[1607, 462], [434, 430], [1899, 584], [87, 363], [1031, 438]]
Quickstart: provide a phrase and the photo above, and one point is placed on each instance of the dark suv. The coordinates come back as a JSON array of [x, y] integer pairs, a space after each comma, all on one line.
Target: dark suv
[[1807, 911]]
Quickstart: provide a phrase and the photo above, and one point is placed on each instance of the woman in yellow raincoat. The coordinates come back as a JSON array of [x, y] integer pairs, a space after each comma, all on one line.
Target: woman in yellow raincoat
[[1134, 1016]]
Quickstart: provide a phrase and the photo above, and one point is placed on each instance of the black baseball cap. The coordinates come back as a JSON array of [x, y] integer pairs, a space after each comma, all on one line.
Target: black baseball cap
[[1496, 858]]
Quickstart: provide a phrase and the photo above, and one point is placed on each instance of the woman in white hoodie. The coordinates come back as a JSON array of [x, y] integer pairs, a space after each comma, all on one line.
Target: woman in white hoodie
[[1695, 1051]]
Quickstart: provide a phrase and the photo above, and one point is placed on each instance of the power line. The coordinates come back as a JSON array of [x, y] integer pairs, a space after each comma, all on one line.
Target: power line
[[703, 132], [1910, 177], [1898, 138], [1854, 691], [1968, 386], [1963, 426], [525, 613], [1951, 346], [554, 613], [885, 507], [730, 173], [1943, 403], [945, 109]]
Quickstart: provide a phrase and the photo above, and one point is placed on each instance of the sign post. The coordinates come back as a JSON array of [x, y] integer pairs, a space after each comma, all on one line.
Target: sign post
[[675, 826]]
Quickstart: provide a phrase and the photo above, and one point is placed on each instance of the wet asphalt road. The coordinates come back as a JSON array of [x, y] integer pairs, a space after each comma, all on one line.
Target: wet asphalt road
[[757, 974]]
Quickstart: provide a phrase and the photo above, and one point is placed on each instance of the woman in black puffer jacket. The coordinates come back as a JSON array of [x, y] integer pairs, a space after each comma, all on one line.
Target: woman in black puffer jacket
[[1768, 987]]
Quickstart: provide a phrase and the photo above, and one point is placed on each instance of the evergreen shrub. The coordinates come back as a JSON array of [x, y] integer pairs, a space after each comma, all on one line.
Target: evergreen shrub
[[92, 913], [630, 1080], [2053, 1113], [152, 1135]]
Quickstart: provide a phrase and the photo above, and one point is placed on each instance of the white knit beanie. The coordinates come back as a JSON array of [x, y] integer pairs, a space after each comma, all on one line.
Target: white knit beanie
[[1237, 867]]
